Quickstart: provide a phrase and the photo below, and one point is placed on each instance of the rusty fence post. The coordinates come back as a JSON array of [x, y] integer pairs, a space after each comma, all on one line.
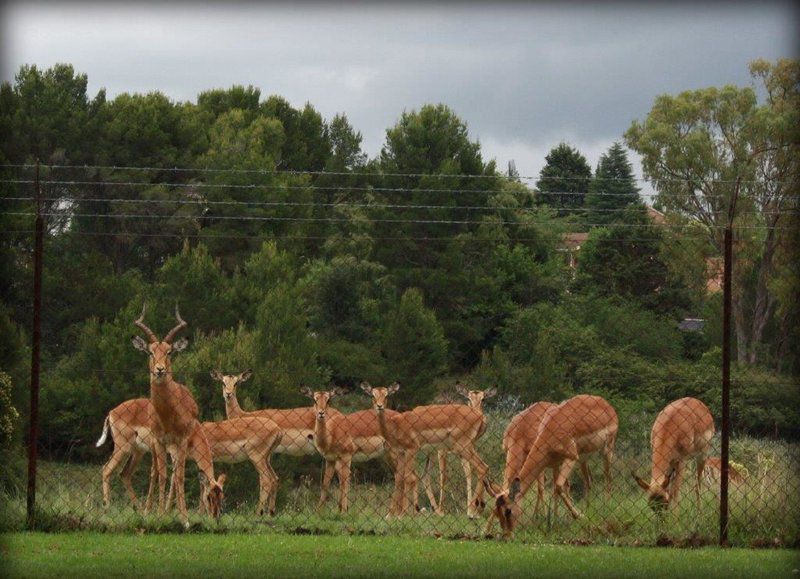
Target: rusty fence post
[[33, 427], [726, 386]]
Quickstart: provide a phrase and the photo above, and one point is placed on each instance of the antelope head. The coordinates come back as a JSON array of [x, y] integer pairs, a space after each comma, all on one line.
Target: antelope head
[[475, 398], [321, 398], [506, 507], [379, 395], [658, 495], [230, 382], [212, 494], [159, 351]]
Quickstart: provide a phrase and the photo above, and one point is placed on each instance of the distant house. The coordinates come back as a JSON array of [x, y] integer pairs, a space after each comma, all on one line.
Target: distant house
[[571, 244]]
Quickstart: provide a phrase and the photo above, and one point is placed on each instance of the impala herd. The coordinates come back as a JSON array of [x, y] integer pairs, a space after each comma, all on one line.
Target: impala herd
[[543, 437]]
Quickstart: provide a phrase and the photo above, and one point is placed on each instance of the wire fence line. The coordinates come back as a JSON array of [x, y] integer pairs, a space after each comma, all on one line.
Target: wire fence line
[[468, 464], [357, 172], [571, 470], [348, 205]]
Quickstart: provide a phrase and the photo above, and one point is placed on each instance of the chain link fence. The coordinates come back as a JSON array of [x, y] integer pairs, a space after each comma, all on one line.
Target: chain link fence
[[478, 465]]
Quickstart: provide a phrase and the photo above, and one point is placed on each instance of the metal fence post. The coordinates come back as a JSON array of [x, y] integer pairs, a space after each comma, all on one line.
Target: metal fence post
[[726, 385], [33, 427]]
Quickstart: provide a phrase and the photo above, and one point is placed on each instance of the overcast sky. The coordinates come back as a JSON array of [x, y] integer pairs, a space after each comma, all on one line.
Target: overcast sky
[[523, 76]]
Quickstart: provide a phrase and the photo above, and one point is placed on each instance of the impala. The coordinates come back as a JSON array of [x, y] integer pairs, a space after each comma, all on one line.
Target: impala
[[579, 426], [344, 439], [132, 429], [737, 473], [453, 427], [518, 440], [177, 415], [475, 400], [297, 424], [682, 431], [239, 439]]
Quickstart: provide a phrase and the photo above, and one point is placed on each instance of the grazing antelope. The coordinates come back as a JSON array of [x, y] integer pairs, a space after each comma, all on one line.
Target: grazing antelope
[[475, 400], [453, 427], [177, 416], [682, 431], [239, 439], [579, 426], [518, 440], [344, 439]]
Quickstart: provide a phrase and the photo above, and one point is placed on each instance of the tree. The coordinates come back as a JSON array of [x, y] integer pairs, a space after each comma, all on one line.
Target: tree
[[613, 188], [220, 101], [703, 149], [625, 260], [414, 347], [564, 180]]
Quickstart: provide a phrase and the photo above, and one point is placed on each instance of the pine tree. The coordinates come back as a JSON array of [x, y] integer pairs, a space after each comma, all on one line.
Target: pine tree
[[564, 180], [613, 188]]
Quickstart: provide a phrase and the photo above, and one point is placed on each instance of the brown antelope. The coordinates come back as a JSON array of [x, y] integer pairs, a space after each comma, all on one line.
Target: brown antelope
[[177, 415], [518, 440], [737, 473], [239, 439], [132, 430], [579, 426], [344, 439], [682, 431], [475, 400], [445, 426], [297, 424]]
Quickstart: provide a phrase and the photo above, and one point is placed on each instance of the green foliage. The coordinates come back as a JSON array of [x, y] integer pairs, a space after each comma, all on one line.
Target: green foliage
[[625, 260], [564, 180], [285, 349], [413, 344], [613, 188], [11, 476]]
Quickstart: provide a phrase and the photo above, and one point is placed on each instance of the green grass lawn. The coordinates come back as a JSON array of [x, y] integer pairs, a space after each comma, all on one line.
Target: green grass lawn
[[91, 554]]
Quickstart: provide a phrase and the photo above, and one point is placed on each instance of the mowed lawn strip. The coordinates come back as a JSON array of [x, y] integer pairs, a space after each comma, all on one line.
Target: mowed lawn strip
[[94, 555]]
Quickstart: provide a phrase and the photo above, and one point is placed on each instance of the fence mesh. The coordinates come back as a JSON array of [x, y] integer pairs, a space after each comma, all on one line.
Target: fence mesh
[[576, 470]]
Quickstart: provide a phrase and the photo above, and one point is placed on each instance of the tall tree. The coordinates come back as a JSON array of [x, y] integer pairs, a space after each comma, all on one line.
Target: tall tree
[[564, 180], [612, 189], [702, 149]]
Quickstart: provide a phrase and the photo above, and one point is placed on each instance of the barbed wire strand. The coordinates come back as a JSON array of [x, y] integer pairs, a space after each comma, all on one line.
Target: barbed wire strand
[[356, 173]]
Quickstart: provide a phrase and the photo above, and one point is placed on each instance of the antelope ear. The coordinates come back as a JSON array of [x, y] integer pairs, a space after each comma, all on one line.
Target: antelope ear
[[216, 375], [306, 391], [366, 388], [514, 490], [140, 344], [338, 391], [667, 480], [245, 376], [221, 479], [180, 344], [394, 388], [640, 481], [490, 392], [462, 390]]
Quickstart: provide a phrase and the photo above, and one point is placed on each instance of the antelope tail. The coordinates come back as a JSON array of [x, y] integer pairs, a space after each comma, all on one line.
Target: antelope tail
[[104, 435]]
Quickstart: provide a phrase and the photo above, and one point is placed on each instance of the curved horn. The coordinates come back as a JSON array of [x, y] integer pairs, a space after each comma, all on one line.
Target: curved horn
[[140, 323], [174, 331]]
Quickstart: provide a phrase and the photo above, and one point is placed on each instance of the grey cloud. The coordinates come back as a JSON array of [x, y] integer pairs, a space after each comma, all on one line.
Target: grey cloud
[[522, 76]]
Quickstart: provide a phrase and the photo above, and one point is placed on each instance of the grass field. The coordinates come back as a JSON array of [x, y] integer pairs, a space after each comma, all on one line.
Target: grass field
[[95, 555], [764, 511]]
